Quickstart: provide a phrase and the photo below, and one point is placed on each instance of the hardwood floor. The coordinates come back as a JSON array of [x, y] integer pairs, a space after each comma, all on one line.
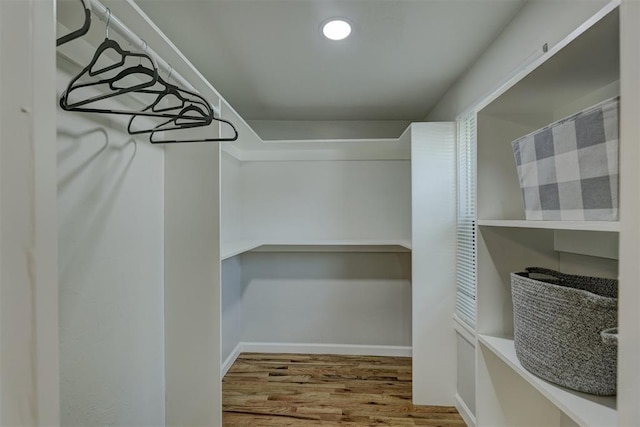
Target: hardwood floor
[[263, 390]]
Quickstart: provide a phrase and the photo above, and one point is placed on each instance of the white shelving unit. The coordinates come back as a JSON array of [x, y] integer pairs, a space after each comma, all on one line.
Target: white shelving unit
[[327, 249], [579, 72]]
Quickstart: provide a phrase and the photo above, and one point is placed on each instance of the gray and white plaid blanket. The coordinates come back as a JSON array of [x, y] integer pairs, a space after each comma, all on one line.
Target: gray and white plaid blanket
[[569, 169]]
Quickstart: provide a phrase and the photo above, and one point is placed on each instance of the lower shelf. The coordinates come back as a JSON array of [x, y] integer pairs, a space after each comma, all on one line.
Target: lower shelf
[[230, 249], [584, 409]]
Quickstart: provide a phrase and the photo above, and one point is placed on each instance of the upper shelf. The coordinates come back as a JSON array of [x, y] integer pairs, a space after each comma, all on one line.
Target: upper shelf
[[613, 226], [231, 249], [584, 409]]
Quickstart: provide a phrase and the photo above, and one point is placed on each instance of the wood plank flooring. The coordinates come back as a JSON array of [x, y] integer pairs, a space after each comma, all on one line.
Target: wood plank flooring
[[264, 390]]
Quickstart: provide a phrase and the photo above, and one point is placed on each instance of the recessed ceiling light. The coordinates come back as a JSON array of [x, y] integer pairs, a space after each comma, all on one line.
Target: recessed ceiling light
[[336, 29]]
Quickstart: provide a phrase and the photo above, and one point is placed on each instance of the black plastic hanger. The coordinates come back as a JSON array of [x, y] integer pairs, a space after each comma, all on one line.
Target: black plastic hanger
[[189, 109], [148, 75], [80, 31], [177, 141], [188, 117], [169, 90], [113, 85]]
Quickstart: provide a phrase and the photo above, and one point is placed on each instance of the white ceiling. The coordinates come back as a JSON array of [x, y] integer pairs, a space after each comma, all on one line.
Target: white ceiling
[[269, 60]]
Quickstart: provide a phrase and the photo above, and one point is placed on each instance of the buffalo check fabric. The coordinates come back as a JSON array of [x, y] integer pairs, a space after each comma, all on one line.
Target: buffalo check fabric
[[569, 169]]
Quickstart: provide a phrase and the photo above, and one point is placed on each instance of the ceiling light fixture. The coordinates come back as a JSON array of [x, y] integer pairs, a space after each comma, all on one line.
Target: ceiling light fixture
[[336, 29]]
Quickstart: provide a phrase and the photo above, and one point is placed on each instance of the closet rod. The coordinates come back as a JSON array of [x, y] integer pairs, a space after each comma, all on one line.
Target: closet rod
[[115, 24]]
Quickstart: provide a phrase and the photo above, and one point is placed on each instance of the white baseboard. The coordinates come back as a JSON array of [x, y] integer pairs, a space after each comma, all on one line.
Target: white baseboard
[[346, 349], [232, 358], [466, 414]]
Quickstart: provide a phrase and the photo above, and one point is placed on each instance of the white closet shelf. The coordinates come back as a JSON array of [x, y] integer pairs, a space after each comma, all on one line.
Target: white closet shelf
[[231, 249], [584, 409], [613, 226]]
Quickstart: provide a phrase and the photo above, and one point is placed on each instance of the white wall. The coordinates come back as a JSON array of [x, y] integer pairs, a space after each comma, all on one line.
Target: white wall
[[537, 23], [111, 220], [231, 229], [326, 200], [326, 298]]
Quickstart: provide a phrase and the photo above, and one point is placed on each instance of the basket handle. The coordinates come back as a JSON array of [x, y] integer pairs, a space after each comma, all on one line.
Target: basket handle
[[546, 272], [609, 336]]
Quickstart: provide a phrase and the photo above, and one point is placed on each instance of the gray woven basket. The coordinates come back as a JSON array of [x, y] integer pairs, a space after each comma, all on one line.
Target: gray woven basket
[[561, 324]]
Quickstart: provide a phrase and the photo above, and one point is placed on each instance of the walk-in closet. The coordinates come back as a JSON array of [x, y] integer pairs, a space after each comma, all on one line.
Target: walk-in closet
[[283, 212]]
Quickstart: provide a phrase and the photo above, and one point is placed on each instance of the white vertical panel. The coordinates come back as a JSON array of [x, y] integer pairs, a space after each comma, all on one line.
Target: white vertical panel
[[467, 372], [629, 315], [46, 225], [231, 227], [28, 228], [433, 262], [231, 305], [17, 374], [192, 285]]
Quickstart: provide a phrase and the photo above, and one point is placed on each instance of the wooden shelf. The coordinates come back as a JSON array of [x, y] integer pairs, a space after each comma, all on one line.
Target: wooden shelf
[[232, 249], [613, 226], [584, 409]]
